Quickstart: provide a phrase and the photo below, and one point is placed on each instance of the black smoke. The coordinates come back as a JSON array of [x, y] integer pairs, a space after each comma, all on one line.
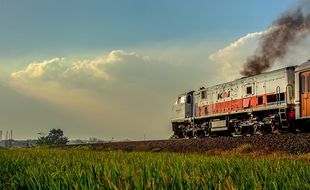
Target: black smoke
[[288, 29]]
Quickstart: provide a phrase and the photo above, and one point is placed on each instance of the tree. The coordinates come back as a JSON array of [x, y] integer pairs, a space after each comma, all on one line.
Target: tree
[[55, 137]]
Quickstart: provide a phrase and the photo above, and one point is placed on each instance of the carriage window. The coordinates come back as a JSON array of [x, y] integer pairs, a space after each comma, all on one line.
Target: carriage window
[[189, 99], [271, 98], [276, 97], [203, 94], [259, 100], [249, 90], [282, 96], [302, 83], [308, 80]]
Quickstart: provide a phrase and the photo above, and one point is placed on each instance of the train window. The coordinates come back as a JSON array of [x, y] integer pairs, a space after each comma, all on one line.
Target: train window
[[276, 97], [249, 90], [282, 96], [189, 99], [203, 94], [271, 98], [181, 100], [308, 80], [302, 84], [260, 100]]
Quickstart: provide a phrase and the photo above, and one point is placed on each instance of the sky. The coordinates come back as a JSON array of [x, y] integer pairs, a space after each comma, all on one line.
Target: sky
[[112, 69]]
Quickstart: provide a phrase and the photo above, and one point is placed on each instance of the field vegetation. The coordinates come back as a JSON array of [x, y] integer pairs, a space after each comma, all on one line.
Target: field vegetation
[[83, 168]]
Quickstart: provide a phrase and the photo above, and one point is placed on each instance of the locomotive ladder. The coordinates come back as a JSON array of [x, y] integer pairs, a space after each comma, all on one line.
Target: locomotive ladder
[[283, 120]]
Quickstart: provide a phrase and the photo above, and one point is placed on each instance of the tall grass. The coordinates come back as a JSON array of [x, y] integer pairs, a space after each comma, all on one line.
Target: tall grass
[[87, 169]]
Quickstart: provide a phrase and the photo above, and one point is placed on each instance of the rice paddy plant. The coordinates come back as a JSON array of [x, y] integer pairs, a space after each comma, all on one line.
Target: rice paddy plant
[[88, 169]]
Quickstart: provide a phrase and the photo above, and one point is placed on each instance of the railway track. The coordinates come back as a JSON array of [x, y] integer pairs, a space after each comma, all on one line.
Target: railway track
[[290, 143]]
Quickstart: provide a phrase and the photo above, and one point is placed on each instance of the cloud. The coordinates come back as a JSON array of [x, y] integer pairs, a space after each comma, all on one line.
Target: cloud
[[297, 53], [61, 75], [97, 73], [233, 50], [231, 58], [116, 94], [47, 69], [61, 69]]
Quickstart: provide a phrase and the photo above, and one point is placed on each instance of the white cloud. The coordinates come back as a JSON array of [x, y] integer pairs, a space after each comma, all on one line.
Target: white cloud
[[113, 66], [120, 92], [297, 53], [60, 68], [233, 50], [231, 58], [48, 68]]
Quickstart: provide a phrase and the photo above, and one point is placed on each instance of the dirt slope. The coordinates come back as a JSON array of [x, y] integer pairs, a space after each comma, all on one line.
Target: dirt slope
[[290, 143]]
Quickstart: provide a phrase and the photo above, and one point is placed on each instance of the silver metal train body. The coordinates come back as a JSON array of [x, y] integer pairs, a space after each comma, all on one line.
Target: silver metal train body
[[266, 103]]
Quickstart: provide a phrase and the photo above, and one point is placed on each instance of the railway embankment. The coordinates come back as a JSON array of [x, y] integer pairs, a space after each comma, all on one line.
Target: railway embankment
[[287, 143]]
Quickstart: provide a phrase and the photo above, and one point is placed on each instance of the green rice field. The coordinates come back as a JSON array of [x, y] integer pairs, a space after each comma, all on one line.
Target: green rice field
[[89, 169]]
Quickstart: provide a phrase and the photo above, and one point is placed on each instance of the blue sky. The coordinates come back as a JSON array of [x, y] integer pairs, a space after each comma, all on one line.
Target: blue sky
[[111, 68], [58, 28]]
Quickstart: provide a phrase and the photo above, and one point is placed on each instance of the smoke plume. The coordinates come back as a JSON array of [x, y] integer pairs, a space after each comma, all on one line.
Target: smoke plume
[[289, 29]]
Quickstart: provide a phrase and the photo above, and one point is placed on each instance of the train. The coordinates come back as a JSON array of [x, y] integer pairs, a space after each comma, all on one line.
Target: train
[[271, 102]]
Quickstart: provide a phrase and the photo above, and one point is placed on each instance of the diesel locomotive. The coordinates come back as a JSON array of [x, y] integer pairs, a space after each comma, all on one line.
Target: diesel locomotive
[[270, 102]]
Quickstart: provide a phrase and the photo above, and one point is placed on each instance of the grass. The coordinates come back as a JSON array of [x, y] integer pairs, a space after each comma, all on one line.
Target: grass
[[89, 169]]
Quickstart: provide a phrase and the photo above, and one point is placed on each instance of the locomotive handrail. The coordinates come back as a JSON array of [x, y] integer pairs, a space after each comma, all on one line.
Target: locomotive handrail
[[278, 96], [289, 94]]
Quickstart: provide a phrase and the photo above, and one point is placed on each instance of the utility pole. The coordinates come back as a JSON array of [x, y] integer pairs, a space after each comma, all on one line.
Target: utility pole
[[6, 139], [11, 139]]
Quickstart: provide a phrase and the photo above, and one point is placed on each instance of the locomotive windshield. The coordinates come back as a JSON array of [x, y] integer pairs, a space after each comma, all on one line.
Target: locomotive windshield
[[181, 100]]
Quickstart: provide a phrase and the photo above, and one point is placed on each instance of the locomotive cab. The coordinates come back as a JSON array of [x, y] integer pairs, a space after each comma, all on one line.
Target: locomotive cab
[[182, 112], [183, 107]]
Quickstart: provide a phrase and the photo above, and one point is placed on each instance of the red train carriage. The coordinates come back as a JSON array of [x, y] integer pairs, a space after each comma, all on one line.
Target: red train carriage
[[264, 103]]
